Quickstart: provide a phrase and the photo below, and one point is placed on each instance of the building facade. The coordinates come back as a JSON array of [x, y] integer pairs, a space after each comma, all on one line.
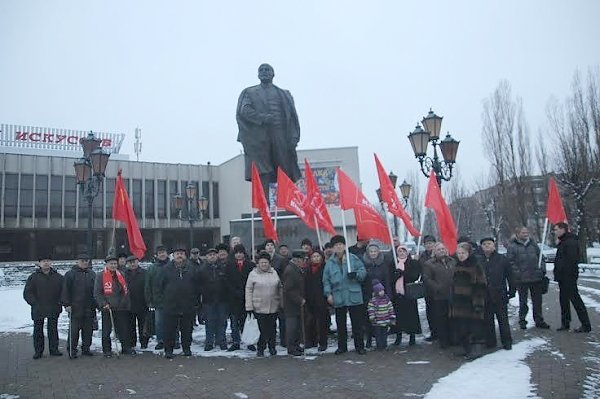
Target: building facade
[[43, 211]]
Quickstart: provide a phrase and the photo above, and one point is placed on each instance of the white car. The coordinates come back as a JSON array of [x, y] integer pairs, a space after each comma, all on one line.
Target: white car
[[549, 253]]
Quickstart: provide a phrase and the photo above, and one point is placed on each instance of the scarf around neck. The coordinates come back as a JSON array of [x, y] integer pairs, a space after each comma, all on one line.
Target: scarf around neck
[[107, 281]]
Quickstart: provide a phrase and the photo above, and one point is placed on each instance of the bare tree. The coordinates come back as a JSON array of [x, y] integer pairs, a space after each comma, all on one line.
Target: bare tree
[[575, 126]]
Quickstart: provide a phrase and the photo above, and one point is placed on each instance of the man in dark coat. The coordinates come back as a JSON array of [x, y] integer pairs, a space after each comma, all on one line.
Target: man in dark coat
[[237, 272], [279, 263], [136, 279], [500, 288], [360, 248], [294, 299], [424, 256], [180, 285], [42, 292], [154, 294], [317, 316], [566, 273], [78, 299], [523, 254], [268, 129], [214, 300]]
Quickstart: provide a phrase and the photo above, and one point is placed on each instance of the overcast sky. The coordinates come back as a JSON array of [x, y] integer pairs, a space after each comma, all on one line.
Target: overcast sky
[[361, 73]]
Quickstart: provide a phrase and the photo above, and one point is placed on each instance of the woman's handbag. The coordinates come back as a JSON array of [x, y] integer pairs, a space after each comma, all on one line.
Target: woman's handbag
[[251, 332], [414, 290]]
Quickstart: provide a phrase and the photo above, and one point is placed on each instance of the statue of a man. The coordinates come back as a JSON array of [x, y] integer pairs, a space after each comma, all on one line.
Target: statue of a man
[[268, 129]]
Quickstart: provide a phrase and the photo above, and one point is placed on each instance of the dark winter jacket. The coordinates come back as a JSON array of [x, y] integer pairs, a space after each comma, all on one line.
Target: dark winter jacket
[[315, 299], [180, 287], [279, 263], [379, 268], [214, 286], [136, 281], [499, 277], [42, 292], [78, 292], [236, 282], [411, 273], [566, 267], [293, 290], [524, 259], [468, 290], [438, 278], [152, 290], [358, 251], [118, 300], [407, 313]]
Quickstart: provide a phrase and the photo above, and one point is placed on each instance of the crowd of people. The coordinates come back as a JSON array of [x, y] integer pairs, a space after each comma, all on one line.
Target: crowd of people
[[298, 291]]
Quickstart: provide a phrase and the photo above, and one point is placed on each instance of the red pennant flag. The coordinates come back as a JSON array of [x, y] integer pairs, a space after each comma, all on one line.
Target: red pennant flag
[[445, 221], [123, 211], [369, 223], [259, 201], [555, 211], [316, 202], [290, 198], [390, 197]]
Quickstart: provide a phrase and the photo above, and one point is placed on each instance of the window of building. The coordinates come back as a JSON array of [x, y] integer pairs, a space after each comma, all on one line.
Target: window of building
[[162, 198], [173, 190], [56, 196], [71, 198], [215, 200], [41, 196], [26, 195], [206, 194], [136, 197], [149, 198], [11, 194]]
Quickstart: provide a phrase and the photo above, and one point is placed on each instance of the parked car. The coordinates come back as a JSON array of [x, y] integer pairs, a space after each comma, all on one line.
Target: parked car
[[548, 253]]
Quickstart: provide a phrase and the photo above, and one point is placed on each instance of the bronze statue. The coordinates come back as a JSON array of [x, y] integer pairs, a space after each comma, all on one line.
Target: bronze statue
[[268, 129]]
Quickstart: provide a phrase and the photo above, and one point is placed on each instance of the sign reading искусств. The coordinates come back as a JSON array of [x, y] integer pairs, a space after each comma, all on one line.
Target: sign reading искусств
[[19, 136]]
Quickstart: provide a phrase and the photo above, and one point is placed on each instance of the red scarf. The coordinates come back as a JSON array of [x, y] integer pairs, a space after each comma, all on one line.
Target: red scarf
[[240, 265], [107, 281], [314, 267]]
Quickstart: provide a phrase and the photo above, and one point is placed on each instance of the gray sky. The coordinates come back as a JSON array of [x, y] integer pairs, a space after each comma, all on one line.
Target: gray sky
[[361, 73]]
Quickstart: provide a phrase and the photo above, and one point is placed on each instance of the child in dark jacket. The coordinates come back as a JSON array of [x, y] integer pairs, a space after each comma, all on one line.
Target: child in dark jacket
[[381, 314]]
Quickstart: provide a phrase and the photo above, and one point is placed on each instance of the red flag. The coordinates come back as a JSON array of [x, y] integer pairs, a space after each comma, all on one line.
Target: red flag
[[555, 211], [259, 201], [445, 221], [123, 211], [316, 202], [289, 197], [369, 223], [390, 197]]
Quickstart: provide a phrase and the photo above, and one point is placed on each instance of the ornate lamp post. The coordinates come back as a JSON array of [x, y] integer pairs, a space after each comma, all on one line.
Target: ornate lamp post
[[430, 132], [405, 191], [189, 208], [394, 180], [89, 172]]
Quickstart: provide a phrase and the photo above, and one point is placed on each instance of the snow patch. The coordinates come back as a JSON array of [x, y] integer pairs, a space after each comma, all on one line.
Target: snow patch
[[419, 362], [479, 378], [8, 396], [240, 395], [354, 361]]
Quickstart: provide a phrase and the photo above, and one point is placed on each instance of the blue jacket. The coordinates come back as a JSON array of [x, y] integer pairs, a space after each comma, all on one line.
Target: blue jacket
[[345, 291]]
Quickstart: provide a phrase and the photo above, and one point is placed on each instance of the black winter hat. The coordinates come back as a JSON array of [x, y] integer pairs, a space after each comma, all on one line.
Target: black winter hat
[[222, 247], [109, 258], [337, 239], [306, 241], [239, 248], [44, 257], [83, 257], [132, 258], [211, 251], [486, 239], [299, 253]]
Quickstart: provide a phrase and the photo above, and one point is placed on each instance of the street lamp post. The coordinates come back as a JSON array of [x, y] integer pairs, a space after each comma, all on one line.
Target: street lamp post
[[189, 208], [430, 132], [89, 172], [405, 191]]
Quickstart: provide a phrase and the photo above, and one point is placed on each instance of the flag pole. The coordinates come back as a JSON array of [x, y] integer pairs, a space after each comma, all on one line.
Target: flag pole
[[252, 228], [543, 243], [423, 216], [318, 232], [346, 239], [387, 221]]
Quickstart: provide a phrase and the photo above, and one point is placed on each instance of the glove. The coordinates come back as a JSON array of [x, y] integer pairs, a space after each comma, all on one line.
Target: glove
[[352, 275]]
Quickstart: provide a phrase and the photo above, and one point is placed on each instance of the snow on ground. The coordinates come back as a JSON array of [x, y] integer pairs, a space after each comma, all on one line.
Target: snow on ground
[[487, 376], [15, 313], [591, 384]]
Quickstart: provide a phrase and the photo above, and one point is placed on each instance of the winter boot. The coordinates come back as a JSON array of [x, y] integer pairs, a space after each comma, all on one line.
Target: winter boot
[[412, 340], [234, 347], [398, 340]]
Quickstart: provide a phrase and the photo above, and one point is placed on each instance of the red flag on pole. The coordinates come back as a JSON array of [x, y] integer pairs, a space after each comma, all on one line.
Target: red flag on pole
[[445, 221], [390, 197], [555, 211], [259, 201], [369, 223], [123, 211], [289, 197], [316, 202]]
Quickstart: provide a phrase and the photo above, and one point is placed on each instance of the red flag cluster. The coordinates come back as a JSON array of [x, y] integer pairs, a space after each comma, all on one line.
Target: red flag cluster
[[123, 211], [259, 201], [369, 223]]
